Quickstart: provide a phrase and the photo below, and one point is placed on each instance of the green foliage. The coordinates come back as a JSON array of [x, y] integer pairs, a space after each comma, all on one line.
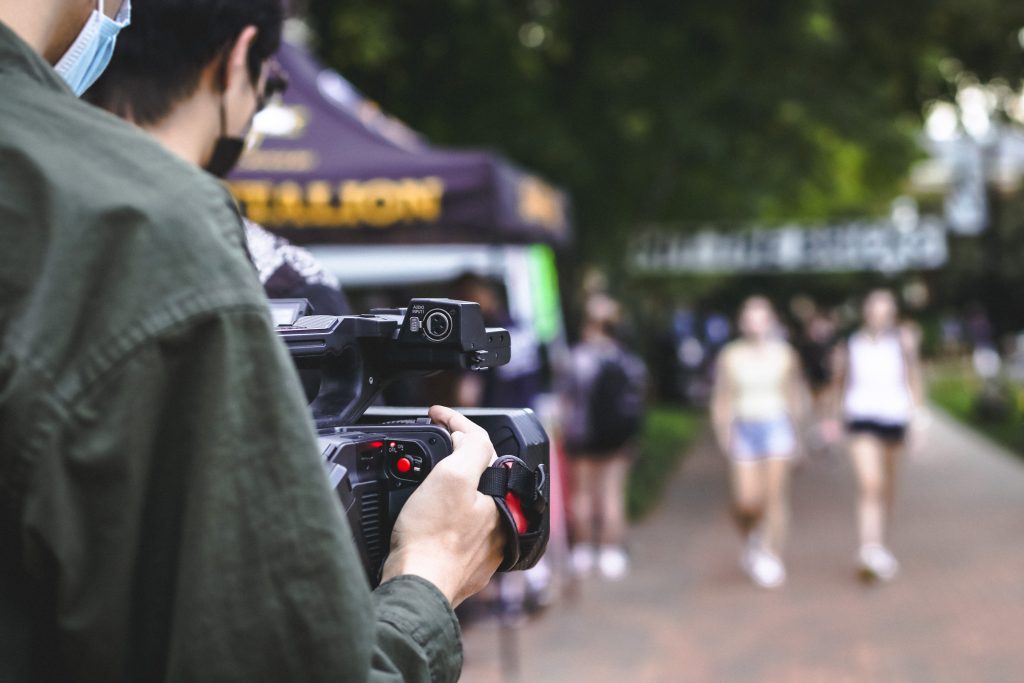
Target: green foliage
[[996, 410], [668, 433], [953, 391], [660, 110]]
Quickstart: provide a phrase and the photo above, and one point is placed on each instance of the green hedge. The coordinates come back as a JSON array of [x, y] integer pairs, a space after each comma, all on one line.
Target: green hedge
[[668, 434], [995, 409]]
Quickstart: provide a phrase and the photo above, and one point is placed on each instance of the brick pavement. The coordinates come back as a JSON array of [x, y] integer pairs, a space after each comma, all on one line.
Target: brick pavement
[[687, 613]]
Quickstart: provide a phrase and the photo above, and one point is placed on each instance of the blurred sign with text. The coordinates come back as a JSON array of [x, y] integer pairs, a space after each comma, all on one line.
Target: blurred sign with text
[[877, 246]]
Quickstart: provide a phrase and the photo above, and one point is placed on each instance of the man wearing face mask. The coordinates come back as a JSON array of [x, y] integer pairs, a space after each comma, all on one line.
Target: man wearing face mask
[[163, 511], [156, 80]]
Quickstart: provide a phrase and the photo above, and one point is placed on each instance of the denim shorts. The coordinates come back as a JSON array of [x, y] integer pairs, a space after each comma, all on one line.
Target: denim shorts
[[757, 440]]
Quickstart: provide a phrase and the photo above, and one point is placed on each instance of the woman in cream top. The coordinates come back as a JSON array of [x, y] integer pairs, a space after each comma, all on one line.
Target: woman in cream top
[[756, 404]]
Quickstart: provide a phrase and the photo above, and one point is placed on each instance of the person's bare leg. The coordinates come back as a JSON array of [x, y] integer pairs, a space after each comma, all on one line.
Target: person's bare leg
[[776, 510], [583, 475], [893, 456], [748, 495], [610, 493], [582, 515], [612, 496], [866, 452], [598, 472]]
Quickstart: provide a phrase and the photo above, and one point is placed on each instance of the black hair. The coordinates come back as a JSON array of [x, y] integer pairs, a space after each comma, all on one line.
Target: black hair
[[161, 55]]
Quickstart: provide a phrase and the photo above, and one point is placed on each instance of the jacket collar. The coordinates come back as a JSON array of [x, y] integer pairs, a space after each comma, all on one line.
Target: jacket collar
[[17, 57]]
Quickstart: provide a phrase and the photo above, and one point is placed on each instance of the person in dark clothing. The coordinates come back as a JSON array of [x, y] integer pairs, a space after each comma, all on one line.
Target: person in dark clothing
[[816, 346], [603, 386], [291, 272]]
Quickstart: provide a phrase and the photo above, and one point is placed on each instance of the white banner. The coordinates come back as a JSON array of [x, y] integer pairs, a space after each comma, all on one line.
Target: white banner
[[858, 246]]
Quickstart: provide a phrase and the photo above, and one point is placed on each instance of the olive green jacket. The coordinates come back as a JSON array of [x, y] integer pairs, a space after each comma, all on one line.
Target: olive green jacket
[[163, 511]]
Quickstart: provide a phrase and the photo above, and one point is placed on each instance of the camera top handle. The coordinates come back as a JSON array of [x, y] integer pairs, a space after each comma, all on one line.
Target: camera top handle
[[356, 356]]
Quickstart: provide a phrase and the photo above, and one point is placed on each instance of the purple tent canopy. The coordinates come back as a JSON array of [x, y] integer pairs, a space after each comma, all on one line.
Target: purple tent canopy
[[329, 166]]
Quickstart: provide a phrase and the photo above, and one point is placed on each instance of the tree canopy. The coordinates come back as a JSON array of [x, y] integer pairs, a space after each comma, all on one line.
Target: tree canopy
[[660, 110]]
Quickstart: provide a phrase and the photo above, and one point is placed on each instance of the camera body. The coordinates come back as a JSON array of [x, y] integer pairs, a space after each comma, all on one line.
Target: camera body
[[374, 470], [376, 458]]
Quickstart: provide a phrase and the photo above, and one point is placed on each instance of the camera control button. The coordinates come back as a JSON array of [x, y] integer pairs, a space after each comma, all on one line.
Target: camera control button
[[403, 465]]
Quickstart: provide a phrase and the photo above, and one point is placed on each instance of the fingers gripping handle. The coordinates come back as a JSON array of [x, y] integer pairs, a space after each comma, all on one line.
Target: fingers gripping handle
[[521, 494]]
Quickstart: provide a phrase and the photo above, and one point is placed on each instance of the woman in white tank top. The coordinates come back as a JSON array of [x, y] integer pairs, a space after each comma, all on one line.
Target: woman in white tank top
[[757, 398], [880, 392]]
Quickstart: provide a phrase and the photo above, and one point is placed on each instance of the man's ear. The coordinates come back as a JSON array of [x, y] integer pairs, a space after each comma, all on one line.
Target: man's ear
[[237, 72]]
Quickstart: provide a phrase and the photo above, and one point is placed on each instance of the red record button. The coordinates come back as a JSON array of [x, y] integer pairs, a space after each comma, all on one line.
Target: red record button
[[403, 465]]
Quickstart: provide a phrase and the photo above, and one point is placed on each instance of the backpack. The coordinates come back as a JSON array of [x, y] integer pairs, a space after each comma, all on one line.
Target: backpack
[[615, 407]]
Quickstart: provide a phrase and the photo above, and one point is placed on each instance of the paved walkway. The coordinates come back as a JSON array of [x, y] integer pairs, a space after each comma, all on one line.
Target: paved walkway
[[687, 613]]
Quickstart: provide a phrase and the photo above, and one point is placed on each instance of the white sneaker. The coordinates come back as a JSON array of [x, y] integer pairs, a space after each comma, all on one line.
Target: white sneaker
[[764, 569], [582, 559], [877, 563], [613, 563]]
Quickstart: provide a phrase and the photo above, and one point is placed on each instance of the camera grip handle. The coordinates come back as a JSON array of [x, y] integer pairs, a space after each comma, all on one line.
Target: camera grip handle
[[521, 495]]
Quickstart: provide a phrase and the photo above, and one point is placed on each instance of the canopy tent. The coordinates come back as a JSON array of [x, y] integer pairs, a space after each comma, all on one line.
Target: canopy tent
[[327, 166]]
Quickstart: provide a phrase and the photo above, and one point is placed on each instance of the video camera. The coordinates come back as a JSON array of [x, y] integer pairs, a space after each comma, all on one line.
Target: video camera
[[377, 457]]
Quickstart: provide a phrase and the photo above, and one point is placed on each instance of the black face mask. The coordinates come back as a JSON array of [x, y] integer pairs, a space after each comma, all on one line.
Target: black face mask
[[226, 151]]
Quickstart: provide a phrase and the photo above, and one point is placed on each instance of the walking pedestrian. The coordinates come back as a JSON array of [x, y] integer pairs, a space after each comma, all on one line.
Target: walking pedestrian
[[816, 346], [756, 405], [881, 393], [603, 392]]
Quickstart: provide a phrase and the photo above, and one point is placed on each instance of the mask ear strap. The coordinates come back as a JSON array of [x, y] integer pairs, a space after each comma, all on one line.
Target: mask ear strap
[[101, 6]]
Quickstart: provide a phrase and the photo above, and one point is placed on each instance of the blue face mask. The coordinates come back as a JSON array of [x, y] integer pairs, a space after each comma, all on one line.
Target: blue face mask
[[89, 55]]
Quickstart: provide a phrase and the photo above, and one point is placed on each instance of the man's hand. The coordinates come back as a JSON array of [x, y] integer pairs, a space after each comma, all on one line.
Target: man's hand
[[448, 533]]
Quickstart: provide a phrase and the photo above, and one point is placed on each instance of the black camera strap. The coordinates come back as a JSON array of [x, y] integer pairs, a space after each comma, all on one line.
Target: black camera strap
[[521, 494]]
